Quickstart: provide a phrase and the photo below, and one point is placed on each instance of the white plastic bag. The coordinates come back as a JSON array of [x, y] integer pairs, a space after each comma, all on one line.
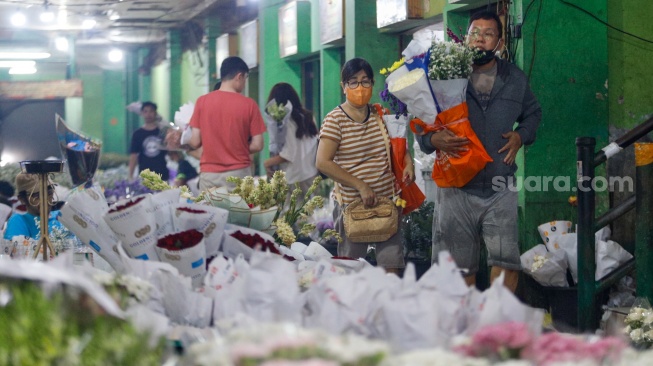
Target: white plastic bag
[[609, 256], [553, 270]]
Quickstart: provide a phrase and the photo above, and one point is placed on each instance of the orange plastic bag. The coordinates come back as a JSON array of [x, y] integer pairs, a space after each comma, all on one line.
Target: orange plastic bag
[[411, 192], [449, 171]]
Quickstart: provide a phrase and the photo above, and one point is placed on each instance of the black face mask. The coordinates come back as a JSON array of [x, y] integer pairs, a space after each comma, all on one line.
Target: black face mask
[[483, 57]]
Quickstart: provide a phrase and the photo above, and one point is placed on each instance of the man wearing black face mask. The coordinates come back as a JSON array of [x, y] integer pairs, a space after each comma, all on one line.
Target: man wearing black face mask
[[498, 95]]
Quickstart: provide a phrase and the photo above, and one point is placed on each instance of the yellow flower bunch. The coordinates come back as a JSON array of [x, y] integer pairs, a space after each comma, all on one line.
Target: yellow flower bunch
[[397, 64], [154, 182], [285, 233]]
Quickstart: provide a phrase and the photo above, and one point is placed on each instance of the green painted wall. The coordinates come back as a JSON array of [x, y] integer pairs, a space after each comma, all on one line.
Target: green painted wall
[[93, 105], [194, 76], [114, 125], [160, 77], [630, 93], [566, 73], [176, 58]]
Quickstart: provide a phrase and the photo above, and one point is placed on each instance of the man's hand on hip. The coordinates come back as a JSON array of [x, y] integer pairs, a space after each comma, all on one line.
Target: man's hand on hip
[[513, 145], [447, 141]]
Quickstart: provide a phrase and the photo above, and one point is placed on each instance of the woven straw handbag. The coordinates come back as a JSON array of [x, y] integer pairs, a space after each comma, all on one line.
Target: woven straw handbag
[[371, 225]]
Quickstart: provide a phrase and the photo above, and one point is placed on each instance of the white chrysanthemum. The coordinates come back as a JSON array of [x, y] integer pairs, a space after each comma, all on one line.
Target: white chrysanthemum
[[636, 335]]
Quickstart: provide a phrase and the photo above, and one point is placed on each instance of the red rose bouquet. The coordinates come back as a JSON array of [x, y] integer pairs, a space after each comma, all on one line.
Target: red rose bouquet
[[209, 220], [135, 226], [186, 252]]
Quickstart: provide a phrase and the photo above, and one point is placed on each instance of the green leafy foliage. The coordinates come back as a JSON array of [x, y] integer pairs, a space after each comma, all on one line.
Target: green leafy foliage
[[66, 329], [417, 232]]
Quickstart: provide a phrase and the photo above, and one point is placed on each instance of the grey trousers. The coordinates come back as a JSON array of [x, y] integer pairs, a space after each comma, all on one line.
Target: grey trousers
[[461, 219]]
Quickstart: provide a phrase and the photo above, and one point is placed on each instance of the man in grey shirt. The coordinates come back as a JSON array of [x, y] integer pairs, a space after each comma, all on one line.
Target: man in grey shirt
[[498, 95]]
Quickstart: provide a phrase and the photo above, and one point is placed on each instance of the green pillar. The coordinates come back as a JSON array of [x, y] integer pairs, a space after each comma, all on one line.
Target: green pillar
[[71, 68], [145, 79], [272, 69], [363, 39], [176, 58], [132, 92], [212, 32], [113, 125], [330, 65]]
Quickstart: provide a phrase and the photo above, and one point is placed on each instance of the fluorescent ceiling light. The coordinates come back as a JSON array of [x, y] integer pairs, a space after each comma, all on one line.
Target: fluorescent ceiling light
[[62, 16], [88, 23], [22, 70], [115, 55], [23, 55], [23, 63], [47, 16], [18, 19], [61, 43]]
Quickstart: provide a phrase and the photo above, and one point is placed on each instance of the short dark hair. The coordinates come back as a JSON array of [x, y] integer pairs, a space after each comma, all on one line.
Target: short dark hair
[[148, 104], [487, 15], [6, 189], [232, 66], [354, 66]]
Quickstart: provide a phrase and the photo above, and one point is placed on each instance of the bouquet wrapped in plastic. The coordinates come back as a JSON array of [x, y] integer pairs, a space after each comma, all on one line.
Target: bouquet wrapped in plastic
[[397, 127], [433, 84], [80, 152], [276, 118]]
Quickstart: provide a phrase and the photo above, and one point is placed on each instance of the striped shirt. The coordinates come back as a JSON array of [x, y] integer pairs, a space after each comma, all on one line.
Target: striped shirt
[[361, 152]]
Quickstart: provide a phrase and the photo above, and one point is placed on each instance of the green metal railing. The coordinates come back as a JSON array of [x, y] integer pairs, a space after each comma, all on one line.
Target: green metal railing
[[642, 201]]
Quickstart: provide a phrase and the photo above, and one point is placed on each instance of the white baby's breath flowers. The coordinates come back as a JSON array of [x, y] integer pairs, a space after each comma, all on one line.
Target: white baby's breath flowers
[[450, 60], [135, 287]]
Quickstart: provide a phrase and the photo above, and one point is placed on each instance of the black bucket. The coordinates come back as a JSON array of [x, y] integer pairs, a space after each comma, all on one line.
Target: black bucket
[[563, 302]]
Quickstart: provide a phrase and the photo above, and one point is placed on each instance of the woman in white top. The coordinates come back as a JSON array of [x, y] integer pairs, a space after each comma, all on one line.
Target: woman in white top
[[297, 156]]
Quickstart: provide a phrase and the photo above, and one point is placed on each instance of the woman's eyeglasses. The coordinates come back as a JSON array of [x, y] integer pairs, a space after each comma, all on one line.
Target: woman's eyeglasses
[[353, 84]]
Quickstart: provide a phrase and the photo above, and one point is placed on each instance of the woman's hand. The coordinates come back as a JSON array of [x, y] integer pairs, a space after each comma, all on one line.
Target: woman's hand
[[367, 195], [408, 175]]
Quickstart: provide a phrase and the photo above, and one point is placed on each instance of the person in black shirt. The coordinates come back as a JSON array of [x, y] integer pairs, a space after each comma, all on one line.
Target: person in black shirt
[[147, 145], [185, 170]]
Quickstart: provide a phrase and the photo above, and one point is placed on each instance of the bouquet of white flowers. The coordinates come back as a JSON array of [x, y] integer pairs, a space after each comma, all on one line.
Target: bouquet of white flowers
[[639, 324], [276, 120], [433, 84]]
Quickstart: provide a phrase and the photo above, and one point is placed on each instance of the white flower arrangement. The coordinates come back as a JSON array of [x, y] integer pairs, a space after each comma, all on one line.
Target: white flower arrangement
[[134, 286], [639, 326], [450, 60], [538, 262]]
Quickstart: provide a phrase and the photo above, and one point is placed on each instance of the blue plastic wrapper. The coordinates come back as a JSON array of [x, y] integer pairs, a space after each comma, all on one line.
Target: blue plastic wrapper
[[81, 153]]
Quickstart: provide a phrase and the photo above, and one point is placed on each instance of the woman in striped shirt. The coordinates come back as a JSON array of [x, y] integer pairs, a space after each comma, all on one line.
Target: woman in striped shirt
[[352, 152]]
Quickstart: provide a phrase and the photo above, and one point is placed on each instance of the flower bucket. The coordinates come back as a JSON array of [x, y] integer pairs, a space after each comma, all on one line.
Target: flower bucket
[[563, 302], [221, 198], [254, 218]]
